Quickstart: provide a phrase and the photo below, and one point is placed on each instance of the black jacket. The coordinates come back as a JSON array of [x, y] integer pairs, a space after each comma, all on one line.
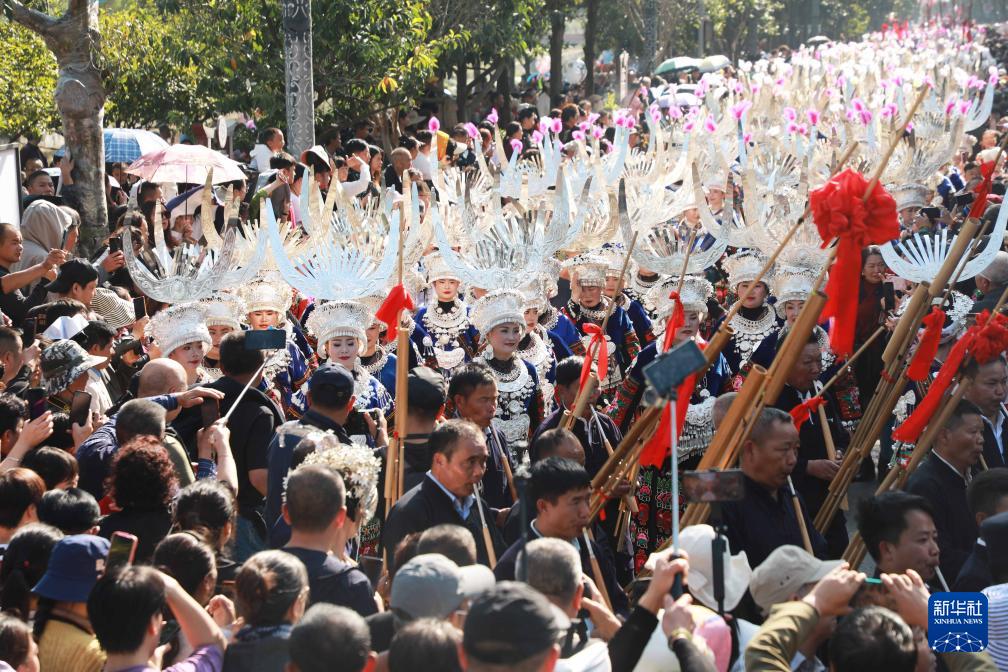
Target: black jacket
[[975, 574], [595, 450], [945, 489], [428, 505], [992, 452]]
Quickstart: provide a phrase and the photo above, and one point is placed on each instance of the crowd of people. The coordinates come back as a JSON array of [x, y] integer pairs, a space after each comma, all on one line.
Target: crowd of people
[[206, 466]]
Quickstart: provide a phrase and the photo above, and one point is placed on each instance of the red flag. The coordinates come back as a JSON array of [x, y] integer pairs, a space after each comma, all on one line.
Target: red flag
[[659, 446], [802, 413], [912, 427], [397, 301], [597, 341], [920, 365], [839, 212]]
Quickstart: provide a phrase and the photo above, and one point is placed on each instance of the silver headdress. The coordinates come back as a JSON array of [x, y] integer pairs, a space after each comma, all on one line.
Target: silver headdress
[[501, 306], [792, 283], [437, 269], [695, 292], [332, 319], [177, 325], [590, 268], [224, 309], [267, 292], [744, 266]]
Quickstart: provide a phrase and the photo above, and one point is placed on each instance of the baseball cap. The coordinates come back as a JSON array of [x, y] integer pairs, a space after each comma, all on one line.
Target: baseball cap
[[696, 541], [333, 375], [432, 586], [73, 271], [509, 624], [426, 383], [74, 567], [783, 574]]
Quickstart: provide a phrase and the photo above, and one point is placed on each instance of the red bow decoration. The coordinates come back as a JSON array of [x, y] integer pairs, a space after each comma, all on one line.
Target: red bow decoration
[[598, 341], [839, 212], [985, 340], [920, 365], [802, 413], [659, 446], [675, 321], [397, 301], [983, 189]]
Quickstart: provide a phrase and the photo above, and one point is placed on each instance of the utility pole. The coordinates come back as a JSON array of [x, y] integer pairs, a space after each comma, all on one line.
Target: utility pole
[[702, 29], [650, 36], [297, 26]]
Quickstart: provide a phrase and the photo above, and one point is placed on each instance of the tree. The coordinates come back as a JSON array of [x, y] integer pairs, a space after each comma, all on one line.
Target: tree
[[28, 74], [74, 39]]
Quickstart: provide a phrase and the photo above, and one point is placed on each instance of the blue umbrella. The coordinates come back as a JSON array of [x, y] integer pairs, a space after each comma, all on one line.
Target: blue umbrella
[[126, 145]]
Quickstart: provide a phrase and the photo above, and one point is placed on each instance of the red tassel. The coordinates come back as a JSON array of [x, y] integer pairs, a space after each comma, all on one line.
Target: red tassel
[[982, 190], [676, 320], [397, 300], [912, 427], [597, 340], [839, 212], [660, 444], [920, 366], [802, 413]]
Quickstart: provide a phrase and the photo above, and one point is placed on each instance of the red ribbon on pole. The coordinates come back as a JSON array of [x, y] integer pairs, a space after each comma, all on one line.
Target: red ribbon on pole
[[982, 190], [675, 321], [659, 446], [839, 211], [802, 413], [920, 365], [597, 341], [397, 300]]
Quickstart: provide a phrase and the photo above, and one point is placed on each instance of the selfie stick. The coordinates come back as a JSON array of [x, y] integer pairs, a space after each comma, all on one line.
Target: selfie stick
[[238, 399], [941, 579]]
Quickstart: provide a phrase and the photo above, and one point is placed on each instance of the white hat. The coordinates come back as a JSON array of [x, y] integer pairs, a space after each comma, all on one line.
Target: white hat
[[783, 574], [591, 269], [65, 326], [177, 325], [696, 541], [695, 292], [744, 266], [267, 292], [792, 283], [116, 311], [224, 309], [501, 306], [437, 269], [339, 318]]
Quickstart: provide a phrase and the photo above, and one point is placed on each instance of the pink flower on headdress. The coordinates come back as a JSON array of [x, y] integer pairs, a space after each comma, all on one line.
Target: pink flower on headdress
[[597, 132], [492, 117], [472, 130], [537, 138], [830, 92], [593, 117], [866, 117], [516, 145], [737, 87], [689, 126], [556, 125], [803, 130], [629, 122], [250, 124], [974, 83], [740, 108], [790, 114], [949, 106], [850, 114], [747, 138], [755, 88], [578, 135], [964, 107], [434, 125], [888, 111], [655, 113], [709, 124], [544, 125], [859, 105], [792, 127], [909, 127], [813, 117], [674, 112]]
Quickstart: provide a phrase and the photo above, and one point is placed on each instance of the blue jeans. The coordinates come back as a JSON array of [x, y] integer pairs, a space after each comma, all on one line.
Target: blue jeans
[[247, 540]]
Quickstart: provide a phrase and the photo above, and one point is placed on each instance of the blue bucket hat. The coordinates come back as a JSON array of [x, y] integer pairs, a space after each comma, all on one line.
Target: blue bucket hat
[[74, 567]]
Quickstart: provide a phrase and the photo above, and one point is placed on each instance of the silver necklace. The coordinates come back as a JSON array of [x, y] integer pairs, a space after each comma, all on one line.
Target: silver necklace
[[378, 363], [449, 323], [750, 333]]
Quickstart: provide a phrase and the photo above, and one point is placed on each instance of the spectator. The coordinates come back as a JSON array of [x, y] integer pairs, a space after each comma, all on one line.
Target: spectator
[[899, 533], [17, 648], [271, 592], [13, 303], [446, 494], [21, 491], [62, 629], [13, 413], [942, 477], [432, 586], [332, 639], [77, 280], [65, 366], [270, 142], [18, 362], [39, 183], [126, 609], [73, 511], [451, 541], [315, 508], [25, 561], [988, 392], [98, 339], [765, 518], [207, 508], [427, 393], [987, 496], [561, 490], [510, 627], [57, 467], [433, 641], [142, 485], [43, 226], [991, 282]]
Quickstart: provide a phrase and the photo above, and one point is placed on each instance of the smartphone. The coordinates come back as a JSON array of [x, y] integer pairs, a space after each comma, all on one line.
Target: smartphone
[[80, 408], [210, 409], [964, 199], [139, 308], [36, 398], [28, 330], [115, 244], [128, 345], [265, 339], [122, 550], [888, 296], [69, 238], [931, 213], [713, 486]]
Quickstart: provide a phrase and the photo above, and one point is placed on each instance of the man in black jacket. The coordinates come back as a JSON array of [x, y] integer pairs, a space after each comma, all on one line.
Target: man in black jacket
[[988, 390], [992, 282], [252, 426], [448, 492], [987, 496], [942, 477]]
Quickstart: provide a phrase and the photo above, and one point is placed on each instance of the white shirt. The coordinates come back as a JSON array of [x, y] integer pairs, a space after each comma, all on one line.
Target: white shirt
[[996, 429], [101, 400]]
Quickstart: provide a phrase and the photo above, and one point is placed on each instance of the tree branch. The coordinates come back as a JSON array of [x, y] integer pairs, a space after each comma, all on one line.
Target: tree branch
[[31, 19]]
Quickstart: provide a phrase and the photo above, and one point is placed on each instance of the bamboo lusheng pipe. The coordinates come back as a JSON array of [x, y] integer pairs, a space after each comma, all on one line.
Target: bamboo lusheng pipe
[[620, 473], [916, 306], [966, 234], [850, 360], [733, 419], [581, 402], [596, 570], [800, 515]]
